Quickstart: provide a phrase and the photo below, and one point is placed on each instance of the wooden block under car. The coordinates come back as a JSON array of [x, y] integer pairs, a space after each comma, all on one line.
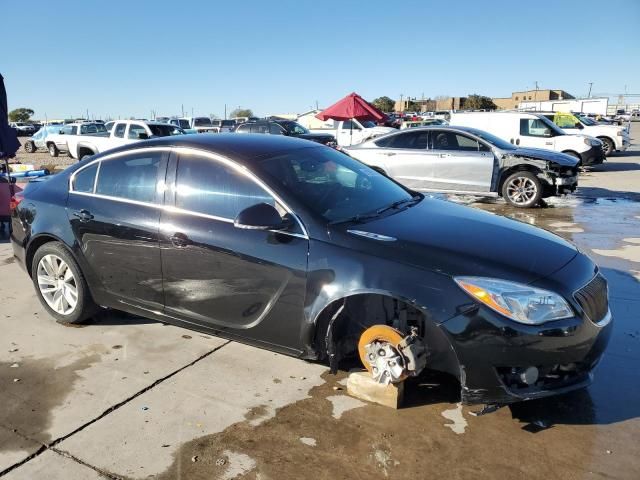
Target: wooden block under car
[[362, 386]]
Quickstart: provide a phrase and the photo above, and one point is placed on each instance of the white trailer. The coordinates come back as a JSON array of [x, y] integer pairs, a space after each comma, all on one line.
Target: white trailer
[[597, 106]]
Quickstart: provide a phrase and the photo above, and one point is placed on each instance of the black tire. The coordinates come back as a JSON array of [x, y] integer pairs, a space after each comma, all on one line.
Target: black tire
[[522, 189], [30, 147], [85, 306], [607, 146], [53, 150]]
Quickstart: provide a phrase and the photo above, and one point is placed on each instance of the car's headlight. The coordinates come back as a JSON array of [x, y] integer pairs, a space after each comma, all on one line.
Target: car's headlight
[[522, 303], [594, 142]]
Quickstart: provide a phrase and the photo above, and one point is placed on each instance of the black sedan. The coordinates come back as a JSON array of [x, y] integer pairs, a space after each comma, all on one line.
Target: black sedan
[[296, 247], [285, 127]]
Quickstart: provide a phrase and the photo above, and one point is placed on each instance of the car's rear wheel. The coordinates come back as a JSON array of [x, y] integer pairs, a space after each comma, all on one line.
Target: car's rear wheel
[[53, 150], [60, 285], [607, 146], [29, 147], [522, 189]]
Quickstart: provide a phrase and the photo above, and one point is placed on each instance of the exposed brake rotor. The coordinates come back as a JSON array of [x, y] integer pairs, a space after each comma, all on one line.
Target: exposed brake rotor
[[380, 352]]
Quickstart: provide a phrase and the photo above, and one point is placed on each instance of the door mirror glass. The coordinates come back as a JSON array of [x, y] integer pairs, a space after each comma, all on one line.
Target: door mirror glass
[[261, 216]]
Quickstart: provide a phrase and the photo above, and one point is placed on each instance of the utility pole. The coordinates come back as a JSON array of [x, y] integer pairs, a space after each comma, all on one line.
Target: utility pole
[[401, 104], [225, 111], [535, 95], [590, 85]]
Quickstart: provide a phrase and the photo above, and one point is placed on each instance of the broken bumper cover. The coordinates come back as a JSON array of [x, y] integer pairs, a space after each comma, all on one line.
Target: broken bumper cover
[[593, 156], [493, 351]]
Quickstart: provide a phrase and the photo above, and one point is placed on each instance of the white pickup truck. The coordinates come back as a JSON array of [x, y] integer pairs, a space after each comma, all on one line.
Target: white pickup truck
[[351, 132], [122, 133], [613, 137]]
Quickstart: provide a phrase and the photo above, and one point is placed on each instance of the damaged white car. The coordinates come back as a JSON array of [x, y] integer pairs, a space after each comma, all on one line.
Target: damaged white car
[[469, 161]]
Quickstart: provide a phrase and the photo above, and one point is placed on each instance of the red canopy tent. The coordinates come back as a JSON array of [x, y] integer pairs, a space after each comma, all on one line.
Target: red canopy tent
[[352, 106]]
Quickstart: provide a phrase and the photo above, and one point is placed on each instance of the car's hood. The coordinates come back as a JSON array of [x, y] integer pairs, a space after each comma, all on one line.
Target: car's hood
[[542, 154], [456, 240], [316, 136]]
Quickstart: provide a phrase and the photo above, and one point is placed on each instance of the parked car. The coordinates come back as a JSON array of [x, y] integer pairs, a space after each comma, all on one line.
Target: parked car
[[285, 127], [313, 253], [57, 142], [351, 132], [240, 120], [43, 138], [469, 161], [422, 123], [613, 138], [196, 124], [224, 126], [22, 128], [122, 132], [527, 129]]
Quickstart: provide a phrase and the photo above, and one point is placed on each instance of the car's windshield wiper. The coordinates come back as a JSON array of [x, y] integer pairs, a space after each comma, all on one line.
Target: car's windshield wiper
[[400, 203], [361, 217]]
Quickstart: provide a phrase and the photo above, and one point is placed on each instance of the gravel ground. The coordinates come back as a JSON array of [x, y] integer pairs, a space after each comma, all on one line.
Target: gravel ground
[[41, 158]]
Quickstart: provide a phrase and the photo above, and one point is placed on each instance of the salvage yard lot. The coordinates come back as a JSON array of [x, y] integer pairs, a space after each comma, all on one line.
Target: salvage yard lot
[[126, 397]]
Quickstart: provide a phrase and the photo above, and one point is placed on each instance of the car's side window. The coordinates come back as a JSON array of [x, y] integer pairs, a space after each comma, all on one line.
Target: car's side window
[[350, 125], [416, 140], [134, 130], [534, 127], [85, 179], [444, 140], [275, 129], [119, 130], [212, 188], [259, 128], [132, 177]]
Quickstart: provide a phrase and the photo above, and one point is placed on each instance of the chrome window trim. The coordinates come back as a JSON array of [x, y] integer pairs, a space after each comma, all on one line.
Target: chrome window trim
[[172, 208]]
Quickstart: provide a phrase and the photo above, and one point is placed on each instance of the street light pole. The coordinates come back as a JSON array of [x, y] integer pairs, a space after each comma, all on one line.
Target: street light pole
[[590, 85]]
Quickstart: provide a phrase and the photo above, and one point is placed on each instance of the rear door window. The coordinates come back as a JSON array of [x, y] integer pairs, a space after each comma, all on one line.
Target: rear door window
[[444, 140], [212, 188], [414, 140], [119, 130], [131, 177], [84, 180]]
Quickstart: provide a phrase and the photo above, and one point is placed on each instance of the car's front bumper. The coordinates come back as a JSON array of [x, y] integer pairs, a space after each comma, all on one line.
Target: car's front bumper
[[493, 352], [593, 156]]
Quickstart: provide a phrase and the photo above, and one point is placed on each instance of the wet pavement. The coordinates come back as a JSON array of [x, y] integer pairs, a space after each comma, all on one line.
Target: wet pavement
[[129, 398]]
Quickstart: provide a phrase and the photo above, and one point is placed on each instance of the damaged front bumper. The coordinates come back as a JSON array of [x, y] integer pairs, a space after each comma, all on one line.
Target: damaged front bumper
[[562, 356]]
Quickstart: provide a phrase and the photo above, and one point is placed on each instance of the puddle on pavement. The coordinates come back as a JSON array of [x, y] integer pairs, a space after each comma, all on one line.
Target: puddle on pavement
[[29, 395], [414, 442]]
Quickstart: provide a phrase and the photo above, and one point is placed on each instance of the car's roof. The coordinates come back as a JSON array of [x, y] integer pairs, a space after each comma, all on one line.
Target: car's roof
[[232, 145]]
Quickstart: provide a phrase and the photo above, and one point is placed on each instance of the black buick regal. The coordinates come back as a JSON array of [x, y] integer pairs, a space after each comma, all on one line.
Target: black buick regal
[[296, 247]]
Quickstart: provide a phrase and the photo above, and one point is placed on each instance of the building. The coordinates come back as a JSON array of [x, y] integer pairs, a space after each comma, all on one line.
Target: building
[[430, 105], [509, 103]]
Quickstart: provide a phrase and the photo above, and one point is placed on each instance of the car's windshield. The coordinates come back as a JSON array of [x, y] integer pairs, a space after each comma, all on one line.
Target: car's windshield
[[165, 130], [228, 123], [201, 122], [332, 184], [492, 139], [184, 123], [295, 128], [587, 121]]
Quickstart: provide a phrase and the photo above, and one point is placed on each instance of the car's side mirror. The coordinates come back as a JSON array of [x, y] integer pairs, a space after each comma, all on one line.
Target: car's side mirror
[[143, 136], [261, 216], [61, 132], [579, 125]]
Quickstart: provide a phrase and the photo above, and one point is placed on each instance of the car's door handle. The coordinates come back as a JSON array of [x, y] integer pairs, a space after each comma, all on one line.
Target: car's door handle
[[443, 155], [180, 240], [517, 141], [389, 154], [83, 215]]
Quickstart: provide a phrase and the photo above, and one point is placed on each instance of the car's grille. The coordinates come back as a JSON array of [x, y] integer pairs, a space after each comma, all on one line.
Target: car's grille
[[593, 298]]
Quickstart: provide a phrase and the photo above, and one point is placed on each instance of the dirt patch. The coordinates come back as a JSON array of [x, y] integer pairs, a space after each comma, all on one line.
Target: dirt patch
[[29, 394], [8, 261]]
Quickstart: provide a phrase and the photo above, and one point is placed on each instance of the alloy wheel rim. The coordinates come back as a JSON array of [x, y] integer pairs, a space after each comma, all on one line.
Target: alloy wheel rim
[[522, 190], [57, 284]]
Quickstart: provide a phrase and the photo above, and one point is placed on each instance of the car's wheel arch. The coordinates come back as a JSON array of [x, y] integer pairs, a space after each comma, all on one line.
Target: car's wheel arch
[[38, 241], [330, 312], [506, 172]]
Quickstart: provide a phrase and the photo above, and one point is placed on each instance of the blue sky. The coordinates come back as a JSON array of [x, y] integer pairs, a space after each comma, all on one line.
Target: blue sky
[[125, 58]]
